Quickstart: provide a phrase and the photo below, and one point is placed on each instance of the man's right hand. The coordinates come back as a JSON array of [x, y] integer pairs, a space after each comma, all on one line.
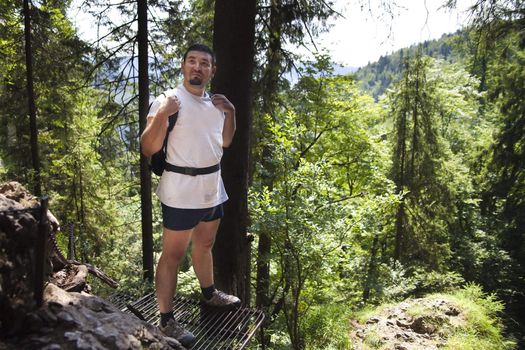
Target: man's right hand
[[169, 106], [155, 131]]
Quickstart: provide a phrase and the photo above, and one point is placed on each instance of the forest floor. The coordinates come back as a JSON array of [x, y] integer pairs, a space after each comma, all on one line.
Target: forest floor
[[423, 323]]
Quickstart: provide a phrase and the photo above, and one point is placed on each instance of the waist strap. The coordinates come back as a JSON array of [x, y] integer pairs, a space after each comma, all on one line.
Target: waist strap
[[192, 171]]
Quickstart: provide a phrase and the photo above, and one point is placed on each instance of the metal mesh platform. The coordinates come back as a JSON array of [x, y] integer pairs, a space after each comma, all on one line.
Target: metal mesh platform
[[213, 328]]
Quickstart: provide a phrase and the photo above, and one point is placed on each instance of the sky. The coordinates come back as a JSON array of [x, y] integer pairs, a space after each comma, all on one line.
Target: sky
[[362, 36], [366, 32]]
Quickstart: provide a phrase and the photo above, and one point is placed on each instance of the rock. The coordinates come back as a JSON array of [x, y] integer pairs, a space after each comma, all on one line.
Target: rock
[[16, 260], [402, 324], [66, 320], [398, 327], [422, 325], [17, 193], [82, 321], [402, 335], [52, 347], [72, 278], [373, 320], [360, 333], [452, 311]]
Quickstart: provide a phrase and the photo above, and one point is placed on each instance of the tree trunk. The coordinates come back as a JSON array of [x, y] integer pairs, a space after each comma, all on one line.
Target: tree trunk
[[400, 184], [263, 271], [400, 160], [372, 267], [31, 101], [145, 175], [269, 87], [233, 42], [400, 215]]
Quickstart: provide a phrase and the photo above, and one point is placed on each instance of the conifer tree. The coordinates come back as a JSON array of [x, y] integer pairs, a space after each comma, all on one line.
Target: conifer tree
[[420, 233]]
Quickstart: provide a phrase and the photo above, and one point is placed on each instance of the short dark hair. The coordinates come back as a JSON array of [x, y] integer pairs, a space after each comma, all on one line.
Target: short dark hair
[[201, 48]]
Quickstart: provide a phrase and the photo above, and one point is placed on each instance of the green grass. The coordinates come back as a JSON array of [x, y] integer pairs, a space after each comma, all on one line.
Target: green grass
[[373, 340], [476, 326], [482, 328]]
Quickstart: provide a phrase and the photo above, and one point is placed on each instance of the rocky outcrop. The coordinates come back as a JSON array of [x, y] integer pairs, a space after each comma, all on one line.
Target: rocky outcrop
[[18, 230], [66, 320], [83, 321], [418, 324]]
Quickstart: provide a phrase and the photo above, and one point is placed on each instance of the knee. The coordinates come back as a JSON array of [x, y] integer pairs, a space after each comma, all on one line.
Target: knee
[[172, 258], [204, 245]]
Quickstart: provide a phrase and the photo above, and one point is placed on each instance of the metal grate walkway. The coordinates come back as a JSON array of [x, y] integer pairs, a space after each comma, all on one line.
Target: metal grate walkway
[[214, 329]]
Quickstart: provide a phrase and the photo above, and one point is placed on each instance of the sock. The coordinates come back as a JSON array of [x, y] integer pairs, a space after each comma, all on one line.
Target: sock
[[208, 292], [165, 317]]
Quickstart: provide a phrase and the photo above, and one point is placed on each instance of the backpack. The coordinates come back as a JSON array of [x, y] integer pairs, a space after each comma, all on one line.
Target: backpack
[[157, 161]]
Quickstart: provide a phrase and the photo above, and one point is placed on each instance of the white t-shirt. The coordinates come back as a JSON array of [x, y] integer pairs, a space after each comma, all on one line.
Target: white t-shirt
[[195, 141]]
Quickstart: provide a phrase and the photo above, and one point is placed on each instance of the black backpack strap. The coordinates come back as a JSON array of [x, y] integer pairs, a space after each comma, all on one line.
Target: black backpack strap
[[172, 119], [157, 160]]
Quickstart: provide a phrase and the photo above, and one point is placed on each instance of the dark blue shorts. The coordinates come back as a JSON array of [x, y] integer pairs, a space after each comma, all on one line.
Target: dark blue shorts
[[184, 219]]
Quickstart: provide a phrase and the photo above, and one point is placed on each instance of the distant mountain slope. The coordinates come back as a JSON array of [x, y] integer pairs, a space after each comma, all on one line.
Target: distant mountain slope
[[375, 78]]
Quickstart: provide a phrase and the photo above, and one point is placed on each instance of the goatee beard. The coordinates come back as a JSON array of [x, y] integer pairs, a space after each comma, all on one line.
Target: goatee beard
[[195, 81]]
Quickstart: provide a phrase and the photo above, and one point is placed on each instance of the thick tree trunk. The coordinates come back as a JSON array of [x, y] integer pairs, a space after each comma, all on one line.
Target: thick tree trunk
[[233, 42], [145, 175], [31, 101]]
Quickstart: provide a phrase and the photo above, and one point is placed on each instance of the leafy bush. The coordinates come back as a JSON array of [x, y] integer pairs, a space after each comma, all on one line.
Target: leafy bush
[[483, 329], [326, 327]]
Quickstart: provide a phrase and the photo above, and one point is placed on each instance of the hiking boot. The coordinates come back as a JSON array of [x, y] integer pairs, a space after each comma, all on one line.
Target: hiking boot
[[222, 300], [174, 329]]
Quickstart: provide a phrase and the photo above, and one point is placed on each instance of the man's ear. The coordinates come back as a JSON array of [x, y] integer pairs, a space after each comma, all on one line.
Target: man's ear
[[213, 70]]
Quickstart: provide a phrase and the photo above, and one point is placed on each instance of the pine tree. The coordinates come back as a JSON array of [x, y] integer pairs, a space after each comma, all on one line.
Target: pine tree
[[420, 233]]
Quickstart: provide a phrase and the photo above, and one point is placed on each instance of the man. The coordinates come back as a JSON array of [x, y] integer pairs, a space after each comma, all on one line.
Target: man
[[191, 190]]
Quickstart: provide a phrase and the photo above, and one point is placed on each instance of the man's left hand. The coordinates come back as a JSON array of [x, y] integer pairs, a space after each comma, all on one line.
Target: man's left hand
[[222, 103]]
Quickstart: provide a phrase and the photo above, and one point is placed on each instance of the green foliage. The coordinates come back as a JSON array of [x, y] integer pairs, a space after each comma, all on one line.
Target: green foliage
[[326, 326], [503, 199], [418, 169], [188, 23], [477, 325], [83, 164], [461, 136], [373, 340], [483, 328], [58, 67], [9, 31], [506, 170], [377, 78], [325, 164], [467, 131], [399, 283]]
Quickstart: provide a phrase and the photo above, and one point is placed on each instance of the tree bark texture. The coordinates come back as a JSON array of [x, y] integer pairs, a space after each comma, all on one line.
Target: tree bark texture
[[145, 174], [31, 101], [233, 42]]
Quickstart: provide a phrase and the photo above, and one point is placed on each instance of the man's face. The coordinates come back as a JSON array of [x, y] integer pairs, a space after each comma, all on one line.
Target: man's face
[[198, 68]]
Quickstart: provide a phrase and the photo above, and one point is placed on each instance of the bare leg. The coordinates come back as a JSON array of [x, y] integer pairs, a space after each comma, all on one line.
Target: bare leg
[[174, 245], [202, 243]]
